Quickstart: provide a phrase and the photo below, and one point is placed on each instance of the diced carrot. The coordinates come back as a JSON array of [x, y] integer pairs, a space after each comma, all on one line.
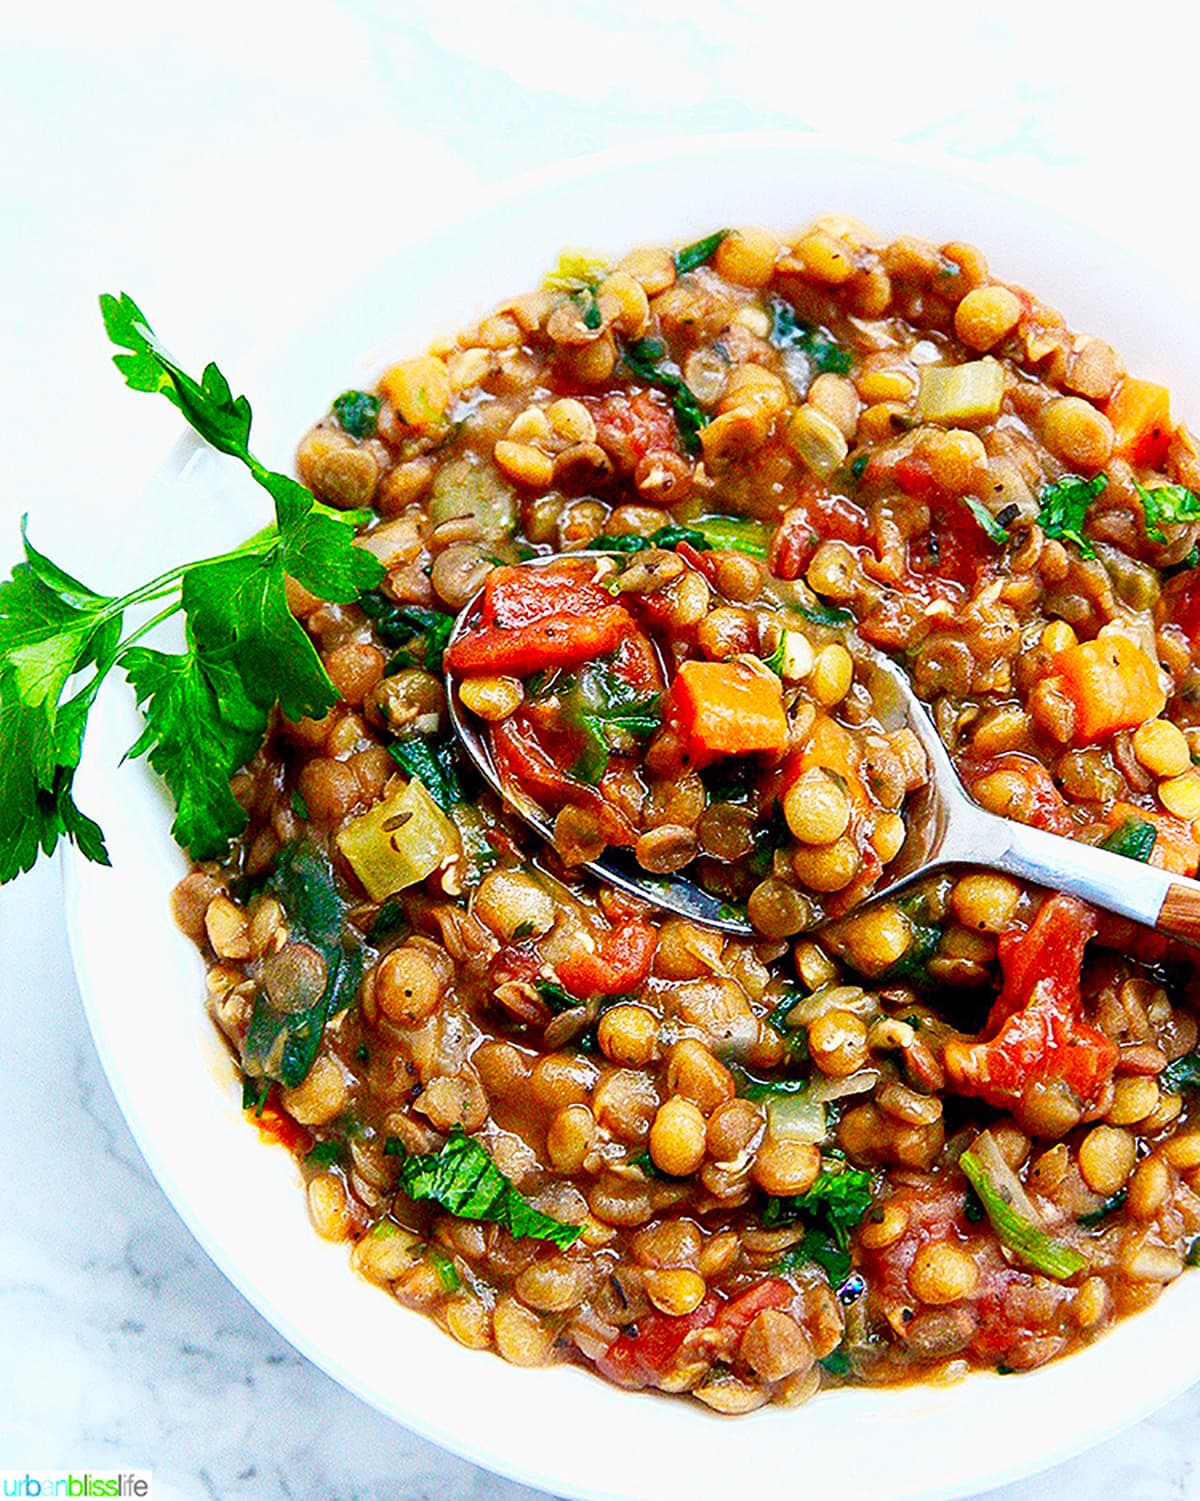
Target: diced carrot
[[833, 748], [726, 709], [1113, 684], [1176, 848], [1140, 413]]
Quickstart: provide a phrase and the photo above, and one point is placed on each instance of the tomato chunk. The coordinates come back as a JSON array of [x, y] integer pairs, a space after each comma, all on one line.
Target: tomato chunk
[[641, 1358], [619, 963], [1036, 1032], [515, 597]]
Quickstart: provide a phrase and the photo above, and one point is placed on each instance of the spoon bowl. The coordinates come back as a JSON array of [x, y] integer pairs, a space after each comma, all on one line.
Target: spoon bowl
[[945, 828]]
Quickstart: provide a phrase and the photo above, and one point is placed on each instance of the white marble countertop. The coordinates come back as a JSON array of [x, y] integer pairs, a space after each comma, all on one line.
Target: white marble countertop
[[217, 161]]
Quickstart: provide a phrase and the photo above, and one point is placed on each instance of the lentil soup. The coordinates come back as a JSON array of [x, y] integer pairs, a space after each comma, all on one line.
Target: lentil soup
[[947, 1131]]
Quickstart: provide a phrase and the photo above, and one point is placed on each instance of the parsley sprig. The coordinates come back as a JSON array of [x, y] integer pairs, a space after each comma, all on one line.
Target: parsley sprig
[[206, 708]]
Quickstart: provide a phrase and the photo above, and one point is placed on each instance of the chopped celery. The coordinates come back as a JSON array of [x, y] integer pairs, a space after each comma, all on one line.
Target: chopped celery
[[473, 488], [1033, 1246], [399, 842], [961, 393]]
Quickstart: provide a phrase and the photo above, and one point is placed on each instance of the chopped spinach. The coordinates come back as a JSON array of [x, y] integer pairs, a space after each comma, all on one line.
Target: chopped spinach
[[298, 806], [433, 763], [283, 1044], [254, 1094], [357, 412], [1183, 1073], [647, 359], [696, 254], [1102, 1211], [388, 920], [705, 534], [821, 614], [555, 996], [326, 1153], [820, 350], [419, 633]]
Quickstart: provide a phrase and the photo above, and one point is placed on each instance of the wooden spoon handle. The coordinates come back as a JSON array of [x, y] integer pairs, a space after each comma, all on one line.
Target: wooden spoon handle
[[1179, 916], [1156, 898]]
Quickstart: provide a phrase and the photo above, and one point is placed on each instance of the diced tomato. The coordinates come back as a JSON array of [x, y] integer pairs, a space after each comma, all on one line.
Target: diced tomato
[[618, 965], [1047, 807], [274, 1125], [1036, 1031], [629, 426], [740, 1312], [641, 1358], [1182, 601], [515, 597], [552, 641], [523, 760], [914, 475], [953, 548], [636, 663], [818, 515]]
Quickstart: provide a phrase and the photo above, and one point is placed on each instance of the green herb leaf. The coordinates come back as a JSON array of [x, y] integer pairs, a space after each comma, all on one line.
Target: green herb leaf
[[254, 1094], [1110, 1206], [696, 254], [357, 413], [1167, 505], [555, 996], [1063, 507], [835, 1203], [817, 1246], [821, 614], [1133, 837], [433, 763], [1029, 1242], [420, 633], [326, 1153], [1182, 1073], [995, 530], [464, 1180], [647, 360], [820, 350]]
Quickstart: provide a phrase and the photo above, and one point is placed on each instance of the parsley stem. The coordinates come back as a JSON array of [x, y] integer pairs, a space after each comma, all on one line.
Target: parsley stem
[[148, 625]]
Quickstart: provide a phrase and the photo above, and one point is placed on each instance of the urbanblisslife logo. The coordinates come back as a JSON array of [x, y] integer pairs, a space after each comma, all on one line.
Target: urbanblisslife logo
[[40, 1485]]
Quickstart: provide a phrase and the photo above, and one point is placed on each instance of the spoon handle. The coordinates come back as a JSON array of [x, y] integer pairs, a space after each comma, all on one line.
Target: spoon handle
[[1156, 898]]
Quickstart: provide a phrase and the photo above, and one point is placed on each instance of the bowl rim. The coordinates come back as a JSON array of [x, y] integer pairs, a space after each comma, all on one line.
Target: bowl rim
[[1101, 1420]]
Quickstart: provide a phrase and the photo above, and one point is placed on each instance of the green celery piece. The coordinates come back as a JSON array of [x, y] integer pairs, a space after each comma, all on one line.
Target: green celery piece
[[463, 1179], [1034, 1247]]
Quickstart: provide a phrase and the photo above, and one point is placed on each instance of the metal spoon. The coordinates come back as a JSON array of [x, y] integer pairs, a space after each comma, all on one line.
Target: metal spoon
[[945, 828]]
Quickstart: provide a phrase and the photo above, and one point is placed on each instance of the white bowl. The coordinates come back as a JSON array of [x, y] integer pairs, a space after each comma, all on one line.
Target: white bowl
[[563, 1429]]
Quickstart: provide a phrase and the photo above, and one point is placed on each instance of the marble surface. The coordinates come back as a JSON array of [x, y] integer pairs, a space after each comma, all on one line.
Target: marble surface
[[218, 162]]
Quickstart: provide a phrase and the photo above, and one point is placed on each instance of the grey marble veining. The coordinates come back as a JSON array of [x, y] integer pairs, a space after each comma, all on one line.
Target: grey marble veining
[[120, 1343]]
